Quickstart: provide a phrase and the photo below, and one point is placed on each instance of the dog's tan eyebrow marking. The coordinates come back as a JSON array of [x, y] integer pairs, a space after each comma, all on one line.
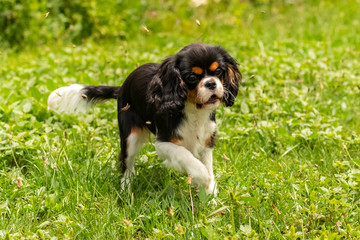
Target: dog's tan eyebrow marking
[[197, 70], [214, 66]]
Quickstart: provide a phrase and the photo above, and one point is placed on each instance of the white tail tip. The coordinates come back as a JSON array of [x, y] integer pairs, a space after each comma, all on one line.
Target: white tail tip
[[68, 100]]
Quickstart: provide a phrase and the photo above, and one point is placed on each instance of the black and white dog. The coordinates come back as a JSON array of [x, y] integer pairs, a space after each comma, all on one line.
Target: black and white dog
[[175, 100]]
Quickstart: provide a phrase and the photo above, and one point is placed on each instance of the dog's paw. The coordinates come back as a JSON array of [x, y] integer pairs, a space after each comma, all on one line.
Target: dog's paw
[[212, 189], [126, 180]]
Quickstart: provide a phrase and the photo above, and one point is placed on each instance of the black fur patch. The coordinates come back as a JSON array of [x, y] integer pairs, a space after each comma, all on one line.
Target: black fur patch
[[98, 93]]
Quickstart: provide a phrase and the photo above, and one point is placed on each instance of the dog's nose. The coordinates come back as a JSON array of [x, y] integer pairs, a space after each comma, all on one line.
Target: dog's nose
[[210, 84]]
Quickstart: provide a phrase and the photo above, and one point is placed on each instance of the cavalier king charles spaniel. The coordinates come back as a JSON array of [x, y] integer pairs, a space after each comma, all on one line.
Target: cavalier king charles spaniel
[[176, 100]]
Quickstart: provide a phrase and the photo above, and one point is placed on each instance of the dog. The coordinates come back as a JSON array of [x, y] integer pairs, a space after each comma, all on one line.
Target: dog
[[176, 100]]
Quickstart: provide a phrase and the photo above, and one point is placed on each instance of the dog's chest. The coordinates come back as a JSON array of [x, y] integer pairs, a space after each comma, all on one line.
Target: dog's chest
[[195, 132]]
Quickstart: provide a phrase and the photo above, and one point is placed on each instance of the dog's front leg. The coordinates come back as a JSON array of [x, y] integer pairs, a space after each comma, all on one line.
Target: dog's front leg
[[207, 159], [182, 160]]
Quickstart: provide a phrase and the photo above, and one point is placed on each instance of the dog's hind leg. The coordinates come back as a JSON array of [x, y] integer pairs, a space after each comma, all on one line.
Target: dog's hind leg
[[132, 138]]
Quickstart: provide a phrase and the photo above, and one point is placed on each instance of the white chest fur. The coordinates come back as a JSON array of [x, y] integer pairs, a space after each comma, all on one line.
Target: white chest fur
[[196, 129]]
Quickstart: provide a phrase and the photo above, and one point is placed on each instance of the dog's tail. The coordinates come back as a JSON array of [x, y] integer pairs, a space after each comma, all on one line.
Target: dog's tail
[[78, 98]]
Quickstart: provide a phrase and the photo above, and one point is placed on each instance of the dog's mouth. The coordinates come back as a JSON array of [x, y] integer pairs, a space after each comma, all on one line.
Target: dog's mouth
[[213, 99]]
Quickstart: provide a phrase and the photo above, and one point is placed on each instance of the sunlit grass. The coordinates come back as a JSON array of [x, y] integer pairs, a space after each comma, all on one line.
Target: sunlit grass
[[286, 161]]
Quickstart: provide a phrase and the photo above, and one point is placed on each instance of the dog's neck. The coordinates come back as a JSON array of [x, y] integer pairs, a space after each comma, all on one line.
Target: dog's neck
[[197, 115]]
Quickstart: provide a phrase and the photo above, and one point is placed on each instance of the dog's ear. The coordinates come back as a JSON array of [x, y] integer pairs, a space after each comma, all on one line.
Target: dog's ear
[[166, 91], [231, 78]]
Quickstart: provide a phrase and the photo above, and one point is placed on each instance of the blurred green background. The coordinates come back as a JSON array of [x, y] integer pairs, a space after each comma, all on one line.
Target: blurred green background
[[39, 22]]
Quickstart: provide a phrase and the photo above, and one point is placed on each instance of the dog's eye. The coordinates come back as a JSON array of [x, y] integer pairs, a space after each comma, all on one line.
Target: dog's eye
[[218, 72], [193, 78]]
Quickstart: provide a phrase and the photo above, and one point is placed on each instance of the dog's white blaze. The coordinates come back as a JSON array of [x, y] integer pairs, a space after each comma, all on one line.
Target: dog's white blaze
[[68, 100], [204, 93]]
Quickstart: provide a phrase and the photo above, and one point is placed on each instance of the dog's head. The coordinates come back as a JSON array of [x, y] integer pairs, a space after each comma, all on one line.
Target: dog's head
[[201, 74]]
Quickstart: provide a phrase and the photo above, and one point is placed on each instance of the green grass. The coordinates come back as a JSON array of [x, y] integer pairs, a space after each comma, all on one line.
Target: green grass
[[287, 158]]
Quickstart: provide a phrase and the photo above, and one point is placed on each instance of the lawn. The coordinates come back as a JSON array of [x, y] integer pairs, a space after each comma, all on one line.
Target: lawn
[[287, 159]]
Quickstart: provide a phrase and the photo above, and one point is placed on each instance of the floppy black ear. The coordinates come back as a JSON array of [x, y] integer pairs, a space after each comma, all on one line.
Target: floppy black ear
[[166, 91], [232, 79]]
